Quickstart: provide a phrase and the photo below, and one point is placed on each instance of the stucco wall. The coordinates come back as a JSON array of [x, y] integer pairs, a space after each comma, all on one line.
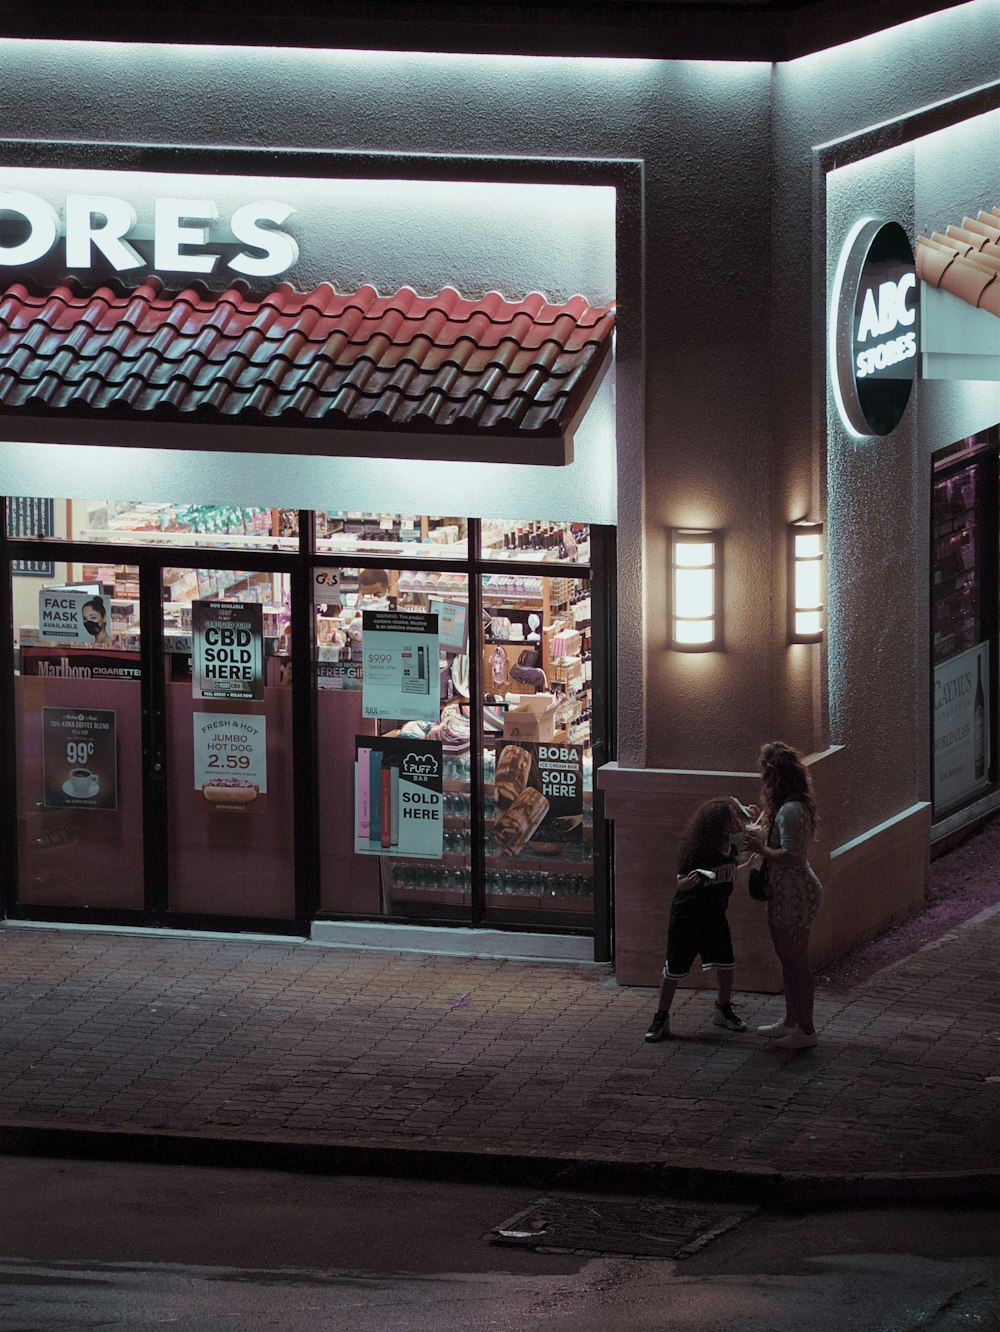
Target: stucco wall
[[701, 130], [874, 702], [721, 411]]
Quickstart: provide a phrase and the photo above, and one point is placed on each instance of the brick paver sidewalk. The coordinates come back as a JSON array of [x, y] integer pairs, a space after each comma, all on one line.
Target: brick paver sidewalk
[[308, 1044]]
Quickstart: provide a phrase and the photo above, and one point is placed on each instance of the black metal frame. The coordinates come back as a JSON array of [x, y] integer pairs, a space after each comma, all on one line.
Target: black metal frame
[[299, 565], [987, 457]]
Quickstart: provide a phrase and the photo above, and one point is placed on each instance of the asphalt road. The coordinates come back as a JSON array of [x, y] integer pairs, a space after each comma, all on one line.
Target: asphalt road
[[95, 1245]]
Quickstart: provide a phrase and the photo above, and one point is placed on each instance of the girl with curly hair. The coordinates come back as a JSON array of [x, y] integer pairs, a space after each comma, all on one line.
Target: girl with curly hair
[[782, 835]]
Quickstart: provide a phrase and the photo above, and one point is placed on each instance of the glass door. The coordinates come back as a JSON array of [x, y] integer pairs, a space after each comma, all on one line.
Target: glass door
[[78, 752], [358, 876], [537, 745], [226, 746]]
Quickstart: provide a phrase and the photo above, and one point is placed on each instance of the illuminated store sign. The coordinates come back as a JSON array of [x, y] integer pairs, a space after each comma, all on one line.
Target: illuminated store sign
[[186, 236], [875, 327]]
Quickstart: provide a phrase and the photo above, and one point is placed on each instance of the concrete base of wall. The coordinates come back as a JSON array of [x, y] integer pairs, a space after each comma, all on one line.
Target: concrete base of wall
[[868, 883], [452, 942]]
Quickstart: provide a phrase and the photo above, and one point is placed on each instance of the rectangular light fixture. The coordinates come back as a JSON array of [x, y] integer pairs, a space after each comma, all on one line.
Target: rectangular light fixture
[[805, 582], [696, 589]]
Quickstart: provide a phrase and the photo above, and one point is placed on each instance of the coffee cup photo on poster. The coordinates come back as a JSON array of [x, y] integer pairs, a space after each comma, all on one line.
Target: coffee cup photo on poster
[[398, 797], [539, 797], [79, 759]]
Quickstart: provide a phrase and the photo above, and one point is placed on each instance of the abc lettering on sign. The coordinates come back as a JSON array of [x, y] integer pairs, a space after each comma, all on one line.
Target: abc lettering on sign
[[881, 315]]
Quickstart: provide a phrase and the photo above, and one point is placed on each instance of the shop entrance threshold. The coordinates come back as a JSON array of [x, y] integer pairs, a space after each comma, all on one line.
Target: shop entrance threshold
[[454, 942]]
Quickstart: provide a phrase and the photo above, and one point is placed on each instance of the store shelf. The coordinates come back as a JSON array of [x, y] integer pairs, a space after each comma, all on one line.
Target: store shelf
[[508, 901]]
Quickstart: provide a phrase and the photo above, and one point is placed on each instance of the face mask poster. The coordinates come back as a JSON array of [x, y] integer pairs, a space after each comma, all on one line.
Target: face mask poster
[[67, 615], [228, 658], [79, 759]]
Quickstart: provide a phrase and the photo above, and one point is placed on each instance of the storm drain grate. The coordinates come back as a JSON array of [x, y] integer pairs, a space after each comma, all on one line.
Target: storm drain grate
[[634, 1227]]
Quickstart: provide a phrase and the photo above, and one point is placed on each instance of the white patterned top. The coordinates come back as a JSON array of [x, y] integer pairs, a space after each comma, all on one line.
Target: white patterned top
[[795, 891]]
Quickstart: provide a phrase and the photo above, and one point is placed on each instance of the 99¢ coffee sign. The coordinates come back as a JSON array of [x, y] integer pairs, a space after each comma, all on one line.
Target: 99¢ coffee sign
[[79, 758]]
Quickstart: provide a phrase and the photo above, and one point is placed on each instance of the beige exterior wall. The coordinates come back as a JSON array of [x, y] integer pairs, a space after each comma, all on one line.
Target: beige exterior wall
[[867, 883]]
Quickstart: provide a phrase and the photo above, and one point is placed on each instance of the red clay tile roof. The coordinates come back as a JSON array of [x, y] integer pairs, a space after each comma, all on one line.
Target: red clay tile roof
[[965, 261], [439, 365]]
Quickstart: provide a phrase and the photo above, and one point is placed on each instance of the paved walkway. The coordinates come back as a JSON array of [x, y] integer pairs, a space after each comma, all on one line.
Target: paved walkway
[[385, 1057]]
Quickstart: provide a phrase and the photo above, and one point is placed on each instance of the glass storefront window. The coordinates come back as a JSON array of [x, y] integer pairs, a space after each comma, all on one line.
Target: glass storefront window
[[537, 749], [229, 742], [535, 541], [512, 673], [78, 738], [392, 534], [143, 522], [392, 885], [964, 613], [959, 561]]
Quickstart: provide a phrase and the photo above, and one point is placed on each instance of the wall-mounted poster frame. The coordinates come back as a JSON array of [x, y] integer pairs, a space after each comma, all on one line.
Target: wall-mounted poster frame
[[965, 621], [28, 516]]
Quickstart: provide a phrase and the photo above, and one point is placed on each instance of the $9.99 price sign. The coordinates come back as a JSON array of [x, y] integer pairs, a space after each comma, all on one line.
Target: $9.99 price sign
[[79, 758], [230, 758], [401, 676]]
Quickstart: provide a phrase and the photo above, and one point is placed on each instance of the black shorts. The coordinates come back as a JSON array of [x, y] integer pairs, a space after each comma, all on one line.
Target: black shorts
[[694, 932]]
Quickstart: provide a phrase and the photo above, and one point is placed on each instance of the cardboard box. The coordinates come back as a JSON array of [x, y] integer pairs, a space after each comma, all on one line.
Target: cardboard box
[[532, 718]]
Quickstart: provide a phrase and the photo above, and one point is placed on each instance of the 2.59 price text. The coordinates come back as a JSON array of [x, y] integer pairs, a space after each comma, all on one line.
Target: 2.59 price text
[[229, 761]]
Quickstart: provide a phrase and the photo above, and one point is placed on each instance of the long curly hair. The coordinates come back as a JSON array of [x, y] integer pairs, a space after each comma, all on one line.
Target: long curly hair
[[704, 836], [784, 777]]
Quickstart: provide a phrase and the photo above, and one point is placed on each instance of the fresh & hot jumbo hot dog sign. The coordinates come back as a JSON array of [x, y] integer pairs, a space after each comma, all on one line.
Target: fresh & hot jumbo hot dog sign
[[230, 758]]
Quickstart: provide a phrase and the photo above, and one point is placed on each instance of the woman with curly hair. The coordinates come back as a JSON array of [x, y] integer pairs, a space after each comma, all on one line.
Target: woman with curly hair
[[698, 924], [782, 837]]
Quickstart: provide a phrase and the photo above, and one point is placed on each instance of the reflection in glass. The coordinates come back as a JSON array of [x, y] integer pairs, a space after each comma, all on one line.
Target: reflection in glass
[[537, 748], [78, 747], [391, 885], [535, 541], [393, 534], [148, 523], [230, 831]]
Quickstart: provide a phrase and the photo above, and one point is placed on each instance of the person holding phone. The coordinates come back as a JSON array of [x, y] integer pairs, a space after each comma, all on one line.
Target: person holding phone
[[788, 821], [698, 923]]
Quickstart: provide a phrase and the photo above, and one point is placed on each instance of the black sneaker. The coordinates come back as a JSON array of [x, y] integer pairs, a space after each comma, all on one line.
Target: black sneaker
[[725, 1017], [659, 1028]]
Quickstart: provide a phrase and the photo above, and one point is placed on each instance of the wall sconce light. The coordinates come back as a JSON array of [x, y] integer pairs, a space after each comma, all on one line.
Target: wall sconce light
[[696, 588], [805, 582]]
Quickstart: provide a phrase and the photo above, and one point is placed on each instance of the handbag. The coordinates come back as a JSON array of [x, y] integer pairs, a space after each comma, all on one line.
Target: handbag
[[757, 883]]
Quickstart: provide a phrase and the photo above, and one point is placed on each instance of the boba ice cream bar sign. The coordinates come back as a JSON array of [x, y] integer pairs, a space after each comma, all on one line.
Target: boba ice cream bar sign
[[875, 326]]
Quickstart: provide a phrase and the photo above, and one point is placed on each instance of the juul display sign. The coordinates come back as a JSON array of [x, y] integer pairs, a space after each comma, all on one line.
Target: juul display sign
[[875, 320]]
